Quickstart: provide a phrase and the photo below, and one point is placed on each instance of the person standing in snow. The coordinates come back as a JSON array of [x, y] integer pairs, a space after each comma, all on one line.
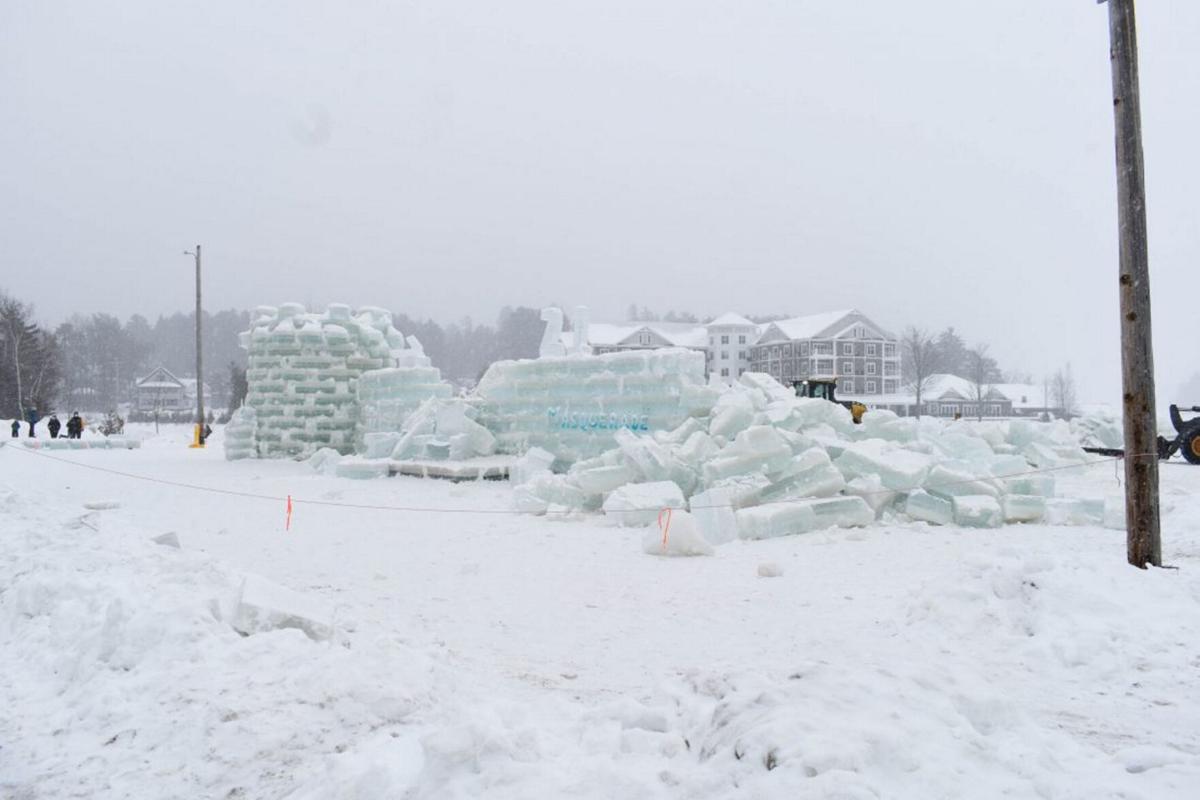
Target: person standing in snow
[[74, 426], [53, 426], [33, 421], [16, 428]]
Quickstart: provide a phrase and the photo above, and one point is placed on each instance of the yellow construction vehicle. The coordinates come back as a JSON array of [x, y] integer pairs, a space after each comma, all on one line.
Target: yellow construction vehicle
[[826, 389]]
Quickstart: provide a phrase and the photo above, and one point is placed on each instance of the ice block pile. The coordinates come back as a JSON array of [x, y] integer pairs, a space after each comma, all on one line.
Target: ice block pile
[[763, 462], [241, 435], [303, 376], [578, 406]]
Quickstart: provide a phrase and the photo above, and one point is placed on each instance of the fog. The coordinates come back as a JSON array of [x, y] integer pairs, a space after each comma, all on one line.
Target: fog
[[937, 163]]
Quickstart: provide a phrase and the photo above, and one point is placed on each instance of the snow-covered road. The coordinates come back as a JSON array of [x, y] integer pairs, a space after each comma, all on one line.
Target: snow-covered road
[[510, 656]]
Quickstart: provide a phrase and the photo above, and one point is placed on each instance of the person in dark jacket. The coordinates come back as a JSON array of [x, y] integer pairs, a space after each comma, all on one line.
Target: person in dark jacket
[[16, 428], [74, 426], [53, 426], [33, 421]]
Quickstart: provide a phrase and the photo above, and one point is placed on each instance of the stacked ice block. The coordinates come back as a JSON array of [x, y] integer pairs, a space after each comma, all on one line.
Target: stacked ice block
[[574, 406], [303, 373]]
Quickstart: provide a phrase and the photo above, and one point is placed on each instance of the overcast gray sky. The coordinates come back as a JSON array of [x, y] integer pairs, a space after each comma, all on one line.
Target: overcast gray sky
[[947, 162]]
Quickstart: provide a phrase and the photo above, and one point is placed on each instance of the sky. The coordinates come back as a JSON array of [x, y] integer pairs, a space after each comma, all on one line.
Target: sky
[[940, 163]]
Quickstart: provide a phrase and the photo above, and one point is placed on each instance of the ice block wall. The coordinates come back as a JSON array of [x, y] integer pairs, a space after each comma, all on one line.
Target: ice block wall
[[304, 370], [387, 397], [574, 405]]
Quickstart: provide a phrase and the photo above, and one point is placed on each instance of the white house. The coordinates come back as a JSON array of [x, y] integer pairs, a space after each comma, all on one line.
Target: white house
[[163, 391]]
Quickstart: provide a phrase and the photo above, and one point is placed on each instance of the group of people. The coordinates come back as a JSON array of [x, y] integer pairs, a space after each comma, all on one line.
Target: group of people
[[74, 426]]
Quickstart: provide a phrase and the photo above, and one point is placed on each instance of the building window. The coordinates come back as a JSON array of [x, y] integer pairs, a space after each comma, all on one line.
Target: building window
[[848, 386], [775, 352], [822, 348], [889, 368], [889, 387], [948, 410], [848, 367], [870, 387], [644, 337], [724, 372], [889, 350], [871, 349], [804, 348], [724, 340], [742, 355], [742, 339], [724, 355], [847, 349], [871, 367]]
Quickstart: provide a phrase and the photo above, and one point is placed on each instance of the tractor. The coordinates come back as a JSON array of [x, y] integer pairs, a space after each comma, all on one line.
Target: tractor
[[1186, 441], [826, 389]]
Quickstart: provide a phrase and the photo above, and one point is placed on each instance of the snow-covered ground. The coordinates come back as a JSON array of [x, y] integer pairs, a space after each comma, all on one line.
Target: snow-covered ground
[[508, 656]]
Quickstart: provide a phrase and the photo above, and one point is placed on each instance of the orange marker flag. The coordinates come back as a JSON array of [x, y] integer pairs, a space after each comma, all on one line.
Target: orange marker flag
[[288, 525], [664, 528]]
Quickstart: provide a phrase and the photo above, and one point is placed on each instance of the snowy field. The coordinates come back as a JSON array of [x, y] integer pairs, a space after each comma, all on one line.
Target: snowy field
[[506, 656]]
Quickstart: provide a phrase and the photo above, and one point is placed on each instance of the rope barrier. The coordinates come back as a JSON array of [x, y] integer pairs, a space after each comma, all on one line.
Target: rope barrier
[[291, 500]]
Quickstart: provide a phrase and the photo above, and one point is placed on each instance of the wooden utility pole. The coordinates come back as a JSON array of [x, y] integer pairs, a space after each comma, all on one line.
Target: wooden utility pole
[[1143, 539]]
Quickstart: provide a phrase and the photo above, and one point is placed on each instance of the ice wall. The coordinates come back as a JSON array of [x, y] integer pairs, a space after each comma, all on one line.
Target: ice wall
[[304, 370], [573, 406]]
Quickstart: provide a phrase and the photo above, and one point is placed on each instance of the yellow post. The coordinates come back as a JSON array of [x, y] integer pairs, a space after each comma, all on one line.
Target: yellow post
[[196, 440]]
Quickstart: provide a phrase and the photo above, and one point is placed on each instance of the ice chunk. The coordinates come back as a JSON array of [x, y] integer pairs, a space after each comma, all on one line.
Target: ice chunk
[[977, 511], [810, 474], [757, 449], [543, 491], [1042, 485], [361, 470], [962, 447], [1023, 507], [264, 606], [899, 469], [775, 519], [378, 445], [714, 514], [698, 448], [639, 503], [947, 482], [680, 536], [769, 569], [1075, 511], [536, 461], [841, 512], [734, 413], [922, 506], [871, 489], [168, 539], [325, 460], [600, 480]]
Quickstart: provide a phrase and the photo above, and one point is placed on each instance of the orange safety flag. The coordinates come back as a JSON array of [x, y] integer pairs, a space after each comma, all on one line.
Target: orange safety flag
[[288, 525], [664, 528]]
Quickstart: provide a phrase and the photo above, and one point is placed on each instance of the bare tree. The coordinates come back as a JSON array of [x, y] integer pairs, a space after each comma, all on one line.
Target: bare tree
[[980, 370], [921, 360], [1063, 389]]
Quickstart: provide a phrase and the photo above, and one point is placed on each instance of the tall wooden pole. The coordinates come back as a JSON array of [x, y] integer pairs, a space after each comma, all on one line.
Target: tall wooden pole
[[1143, 539], [200, 437]]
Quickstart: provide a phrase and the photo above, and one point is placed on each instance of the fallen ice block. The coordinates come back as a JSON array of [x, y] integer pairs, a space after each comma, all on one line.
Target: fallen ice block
[[1005, 466], [1042, 485], [758, 449], [977, 511], [379, 445], [775, 519], [947, 482], [810, 474], [543, 491], [325, 460], [681, 538], [679, 435], [714, 514], [871, 489], [1074, 511], [744, 490], [640, 503], [1023, 507], [841, 512], [698, 448], [361, 470], [899, 469], [962, 447], [773, 389], [921, 505], [733, 413], [535, 461], [601, 480], [264, 606]]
